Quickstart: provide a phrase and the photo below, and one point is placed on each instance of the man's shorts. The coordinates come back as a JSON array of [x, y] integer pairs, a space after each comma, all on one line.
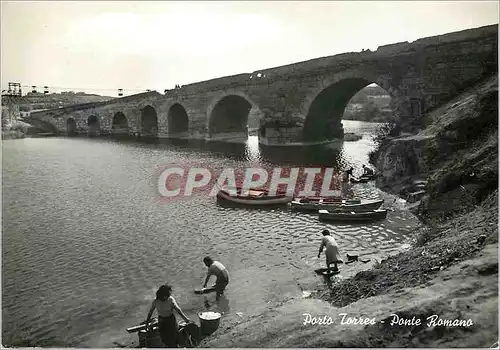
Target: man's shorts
[[221, 284]]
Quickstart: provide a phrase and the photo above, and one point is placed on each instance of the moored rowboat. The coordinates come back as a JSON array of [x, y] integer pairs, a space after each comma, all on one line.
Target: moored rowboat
[[253, 197], [343, 216], [356, 205]]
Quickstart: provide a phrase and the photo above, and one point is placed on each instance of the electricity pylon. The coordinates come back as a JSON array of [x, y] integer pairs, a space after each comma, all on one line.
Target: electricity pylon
[[10, 104]]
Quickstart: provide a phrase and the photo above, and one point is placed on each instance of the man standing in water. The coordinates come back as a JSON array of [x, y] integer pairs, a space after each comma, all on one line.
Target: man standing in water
[[367, 171], [346, 182], [332, 251], [218, 270]]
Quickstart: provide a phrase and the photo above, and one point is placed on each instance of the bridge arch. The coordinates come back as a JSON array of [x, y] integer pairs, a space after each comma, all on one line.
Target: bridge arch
[[42, 125], [70, 127], [178, 120], [94, 126], [324, 107], [119, 125], [149, 122], [229, 115]]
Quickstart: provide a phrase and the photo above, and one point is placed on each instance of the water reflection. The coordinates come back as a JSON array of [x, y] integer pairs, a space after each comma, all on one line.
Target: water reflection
[[252, 149], [212, 304], [337, 154], [223, 305]]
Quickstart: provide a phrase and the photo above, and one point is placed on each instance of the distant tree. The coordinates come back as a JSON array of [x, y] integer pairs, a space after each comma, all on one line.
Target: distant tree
[[4, 120], [364, 94], [375, 91], [371, 111], [24, 108]]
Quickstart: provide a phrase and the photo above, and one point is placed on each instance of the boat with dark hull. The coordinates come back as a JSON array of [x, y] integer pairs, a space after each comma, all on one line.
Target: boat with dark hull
[[253, 197], [344, 216], [318, 203]]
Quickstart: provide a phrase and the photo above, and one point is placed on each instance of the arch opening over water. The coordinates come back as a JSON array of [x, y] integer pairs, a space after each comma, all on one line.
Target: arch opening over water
[[149, 122], [38, 125], [178, 121], [370, 104], [324, 117], [120, 124], [229, 118], [94, 126], [70, 127]]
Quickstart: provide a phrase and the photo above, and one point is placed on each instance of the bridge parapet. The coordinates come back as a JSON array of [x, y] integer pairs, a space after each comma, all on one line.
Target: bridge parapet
[[213, 84], [463, 35], [332, 64], [93, 105]]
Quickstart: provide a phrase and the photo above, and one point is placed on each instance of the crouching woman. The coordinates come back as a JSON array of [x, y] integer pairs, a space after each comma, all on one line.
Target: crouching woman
[[165, 305]]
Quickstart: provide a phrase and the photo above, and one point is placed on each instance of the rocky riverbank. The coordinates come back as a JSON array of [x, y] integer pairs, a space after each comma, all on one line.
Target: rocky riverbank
[[444, 289], [456, 150], [20, 130], [12, 134]]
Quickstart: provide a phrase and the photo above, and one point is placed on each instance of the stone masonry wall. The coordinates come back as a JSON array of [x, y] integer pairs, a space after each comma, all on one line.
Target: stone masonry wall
[[281, 135], [104, 111]]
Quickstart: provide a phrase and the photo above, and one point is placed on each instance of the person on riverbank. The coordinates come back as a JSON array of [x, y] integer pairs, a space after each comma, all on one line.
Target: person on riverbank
[[367, 171], [218, 270], [346, 182], [165, 304], [331, 252]]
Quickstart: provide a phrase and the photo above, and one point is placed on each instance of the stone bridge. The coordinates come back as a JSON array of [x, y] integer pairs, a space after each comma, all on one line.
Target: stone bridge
[[301, 102]]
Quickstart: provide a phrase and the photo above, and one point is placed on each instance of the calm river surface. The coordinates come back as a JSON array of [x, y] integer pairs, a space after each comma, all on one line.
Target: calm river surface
[[86, 243]]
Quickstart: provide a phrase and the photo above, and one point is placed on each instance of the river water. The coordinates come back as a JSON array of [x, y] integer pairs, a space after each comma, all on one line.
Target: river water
[[86, 243]]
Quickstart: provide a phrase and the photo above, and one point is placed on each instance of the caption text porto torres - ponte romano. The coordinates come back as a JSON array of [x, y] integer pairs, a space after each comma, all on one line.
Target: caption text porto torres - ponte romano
[[394, 321]]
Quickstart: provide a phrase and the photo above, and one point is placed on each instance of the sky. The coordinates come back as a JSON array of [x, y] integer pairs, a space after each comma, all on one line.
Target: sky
[[99, 47]]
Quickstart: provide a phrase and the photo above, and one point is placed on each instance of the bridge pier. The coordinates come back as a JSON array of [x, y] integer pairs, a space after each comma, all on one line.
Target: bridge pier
[[120, 131], [283, 135], [279, 135], [229, 136], [177, 136]]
